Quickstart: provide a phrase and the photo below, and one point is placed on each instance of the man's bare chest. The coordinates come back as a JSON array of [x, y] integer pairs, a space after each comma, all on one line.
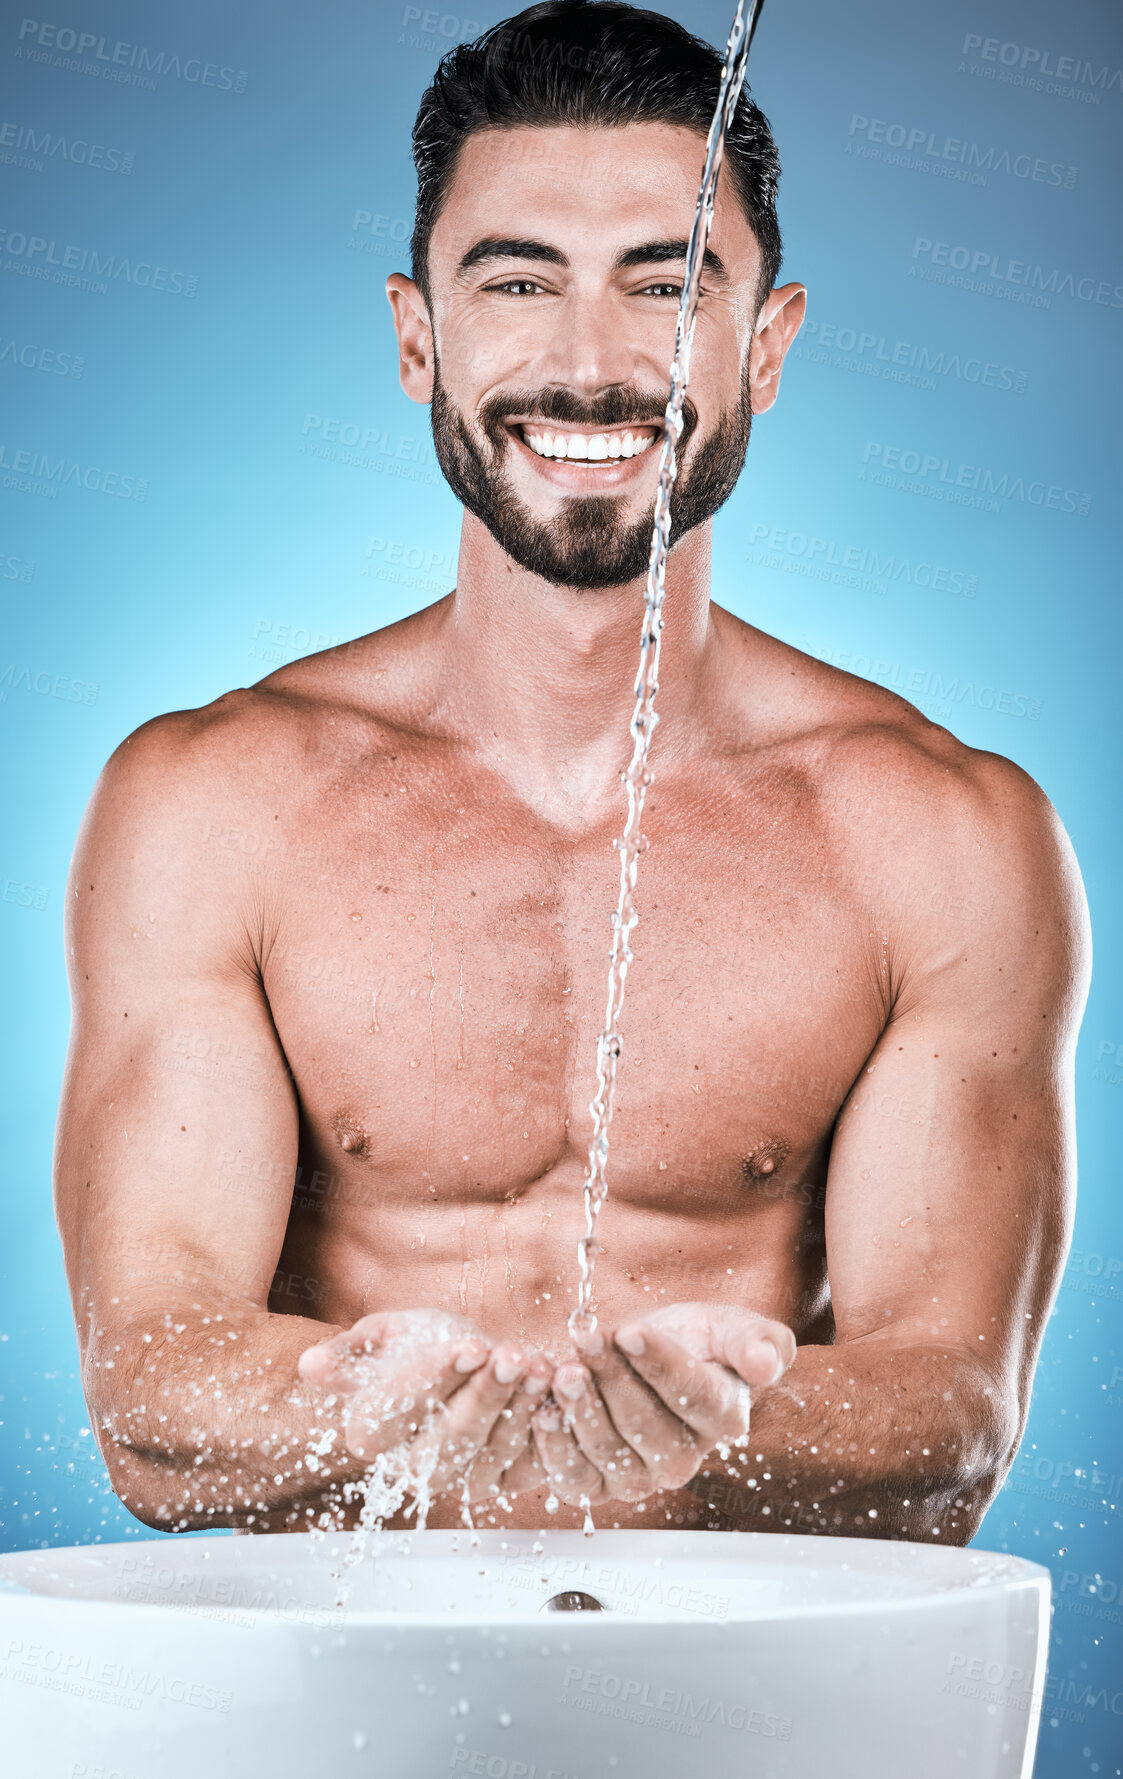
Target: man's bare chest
[[437, 974]]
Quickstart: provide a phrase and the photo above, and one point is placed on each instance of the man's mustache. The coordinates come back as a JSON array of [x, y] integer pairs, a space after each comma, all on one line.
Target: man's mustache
[[618, 406]]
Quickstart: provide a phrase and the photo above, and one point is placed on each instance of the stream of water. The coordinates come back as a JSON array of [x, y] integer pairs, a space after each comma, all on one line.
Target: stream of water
[[389, 1482], [638, 776]]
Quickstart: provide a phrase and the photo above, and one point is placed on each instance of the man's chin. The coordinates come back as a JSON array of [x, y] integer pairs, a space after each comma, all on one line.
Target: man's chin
[[580, 572], [586, 556]]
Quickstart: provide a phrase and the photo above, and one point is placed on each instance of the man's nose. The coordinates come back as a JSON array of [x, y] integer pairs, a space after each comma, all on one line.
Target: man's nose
[[590, 350]]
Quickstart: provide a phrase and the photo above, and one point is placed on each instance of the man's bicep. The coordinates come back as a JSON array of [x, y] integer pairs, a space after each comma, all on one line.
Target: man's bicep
[[947, 1196], [177, 1135], [952, 1170]]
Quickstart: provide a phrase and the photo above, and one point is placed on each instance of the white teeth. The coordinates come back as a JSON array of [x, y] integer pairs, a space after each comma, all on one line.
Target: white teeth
[[597, 447]]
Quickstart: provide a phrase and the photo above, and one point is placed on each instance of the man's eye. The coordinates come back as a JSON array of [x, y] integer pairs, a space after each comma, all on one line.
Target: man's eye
[[662, 290], [517, 286]]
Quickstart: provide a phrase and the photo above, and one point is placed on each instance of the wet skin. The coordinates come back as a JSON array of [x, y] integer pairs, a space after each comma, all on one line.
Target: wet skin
[[351, 925]]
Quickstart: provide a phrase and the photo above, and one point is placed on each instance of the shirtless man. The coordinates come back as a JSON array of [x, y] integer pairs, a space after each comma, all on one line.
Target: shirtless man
[[398, 1006]]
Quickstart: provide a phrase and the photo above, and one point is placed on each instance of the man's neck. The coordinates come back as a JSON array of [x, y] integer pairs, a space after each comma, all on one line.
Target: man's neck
[[543, 677]]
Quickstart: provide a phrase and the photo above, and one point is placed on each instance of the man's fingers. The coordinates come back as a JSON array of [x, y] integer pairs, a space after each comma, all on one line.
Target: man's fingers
[[490, 1472], [334, 1364], [748, 1343], [377, 1345], [465, 1424], [510, 1435], [712, 1401], [651, 1424], [633, 1406], [385, 1409], [568, 1470], [622, 1469], [755, 1347], [525, 1473]]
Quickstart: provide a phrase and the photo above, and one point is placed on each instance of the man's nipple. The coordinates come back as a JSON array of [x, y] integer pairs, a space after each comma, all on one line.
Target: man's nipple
[[766, 1159], [351, 1137]]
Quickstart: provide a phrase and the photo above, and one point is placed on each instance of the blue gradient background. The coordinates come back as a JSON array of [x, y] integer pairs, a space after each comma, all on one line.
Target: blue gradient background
[[248, 548]]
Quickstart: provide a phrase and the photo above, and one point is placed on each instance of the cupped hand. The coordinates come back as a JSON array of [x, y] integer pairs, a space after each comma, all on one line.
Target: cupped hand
[[641, 1411], [436, 1387]]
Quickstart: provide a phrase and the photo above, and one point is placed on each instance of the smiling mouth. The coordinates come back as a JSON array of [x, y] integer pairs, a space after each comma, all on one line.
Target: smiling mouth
[[583, 445]]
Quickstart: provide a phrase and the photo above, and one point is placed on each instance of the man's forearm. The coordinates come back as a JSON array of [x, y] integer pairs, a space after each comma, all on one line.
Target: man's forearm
[[203, 1420], [868, 1440]]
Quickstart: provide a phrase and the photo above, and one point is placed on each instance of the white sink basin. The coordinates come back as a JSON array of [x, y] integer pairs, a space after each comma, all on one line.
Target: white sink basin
[[718, 1655]]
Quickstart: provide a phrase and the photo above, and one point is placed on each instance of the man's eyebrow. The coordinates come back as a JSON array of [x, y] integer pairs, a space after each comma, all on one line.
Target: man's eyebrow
[[649, 253], [509, 247], [658, 252]]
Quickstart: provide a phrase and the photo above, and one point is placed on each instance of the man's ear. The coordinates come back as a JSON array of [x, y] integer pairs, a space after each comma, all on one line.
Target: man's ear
[[415, 337], [779, 321]]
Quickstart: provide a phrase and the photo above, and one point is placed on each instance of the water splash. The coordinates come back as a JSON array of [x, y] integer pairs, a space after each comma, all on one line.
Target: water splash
[[638, 776], [397, 1481]]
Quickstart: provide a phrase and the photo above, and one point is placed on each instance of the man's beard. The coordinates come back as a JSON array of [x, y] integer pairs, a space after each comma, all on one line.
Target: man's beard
[[589, 544]]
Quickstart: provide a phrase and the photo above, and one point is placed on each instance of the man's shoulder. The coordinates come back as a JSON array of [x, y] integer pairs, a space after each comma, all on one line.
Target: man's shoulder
[[219, 747], [859, 735], [275, 731], [901, 793], [960, 856], [174, 781], [911, 777]]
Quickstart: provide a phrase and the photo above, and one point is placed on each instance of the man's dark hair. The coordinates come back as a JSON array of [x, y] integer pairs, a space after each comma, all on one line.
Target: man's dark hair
[[576, 62]]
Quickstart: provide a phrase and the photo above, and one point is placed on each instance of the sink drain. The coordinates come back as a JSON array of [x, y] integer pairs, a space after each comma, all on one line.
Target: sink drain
[[573, 1602]]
